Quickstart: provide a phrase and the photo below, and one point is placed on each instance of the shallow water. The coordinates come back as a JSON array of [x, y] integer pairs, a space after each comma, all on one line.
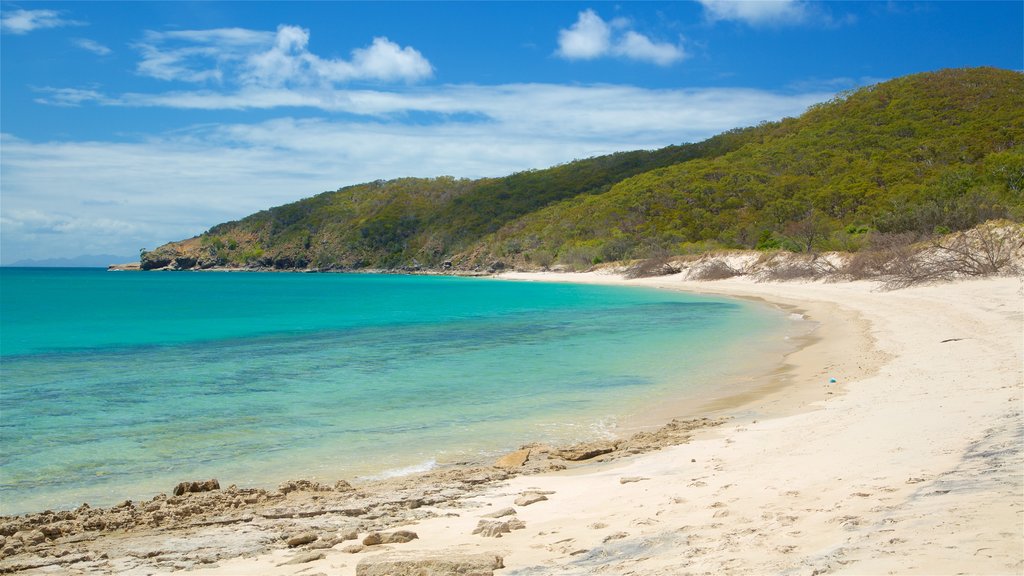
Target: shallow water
[[119, 385]]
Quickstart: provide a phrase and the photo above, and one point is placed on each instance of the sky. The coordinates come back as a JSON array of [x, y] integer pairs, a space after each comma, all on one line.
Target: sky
[[126, 125]]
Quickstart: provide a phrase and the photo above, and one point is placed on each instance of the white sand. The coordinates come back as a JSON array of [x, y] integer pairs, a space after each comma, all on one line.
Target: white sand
[[914, 465]]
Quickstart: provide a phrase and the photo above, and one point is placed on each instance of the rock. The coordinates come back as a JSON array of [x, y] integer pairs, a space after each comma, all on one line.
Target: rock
[[586, 451], [430, 565], [513, 460], [373, 539], [528, 498], [305, 558], [300, 539], [350, 535], [398, 537], [628, 479], [494, 529], [353, 549], [30, 537], [195, 486], [342, 486], [304, 486], [501, 513]]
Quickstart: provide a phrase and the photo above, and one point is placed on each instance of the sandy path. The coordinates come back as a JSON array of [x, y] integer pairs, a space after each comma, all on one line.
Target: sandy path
[[916, 468]]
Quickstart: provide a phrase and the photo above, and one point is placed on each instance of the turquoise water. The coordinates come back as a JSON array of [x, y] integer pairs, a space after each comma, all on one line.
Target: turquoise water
[[120, 385]]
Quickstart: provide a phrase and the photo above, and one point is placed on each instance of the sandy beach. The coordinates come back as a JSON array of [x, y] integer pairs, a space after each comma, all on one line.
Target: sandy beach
[[911, 462]]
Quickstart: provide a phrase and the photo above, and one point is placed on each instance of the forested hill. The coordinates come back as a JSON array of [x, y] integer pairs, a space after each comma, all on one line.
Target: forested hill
[[923, 153]]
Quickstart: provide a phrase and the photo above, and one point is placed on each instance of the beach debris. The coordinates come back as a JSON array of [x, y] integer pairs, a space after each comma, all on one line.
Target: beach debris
[[495, 528], [302, 538], [196, 486], [501, 513], [527, 498], [630, 479], [305, 558], [412, 564], [616, 536], [831, 380], [514, 459]]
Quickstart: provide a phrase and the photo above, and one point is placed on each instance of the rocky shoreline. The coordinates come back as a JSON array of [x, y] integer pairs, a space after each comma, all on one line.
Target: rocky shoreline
[[200, 524]]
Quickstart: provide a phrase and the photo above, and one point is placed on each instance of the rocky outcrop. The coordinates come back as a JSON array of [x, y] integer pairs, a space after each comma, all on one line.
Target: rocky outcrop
[[587, 451], [430, 565], [196, 486], [495, 528], [513, 460]]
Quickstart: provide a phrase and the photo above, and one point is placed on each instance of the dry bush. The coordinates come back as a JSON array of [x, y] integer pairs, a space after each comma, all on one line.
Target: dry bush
[[784, 267], [993, 248], [657, 265], [986, 250], [712, 269], [883, 255]]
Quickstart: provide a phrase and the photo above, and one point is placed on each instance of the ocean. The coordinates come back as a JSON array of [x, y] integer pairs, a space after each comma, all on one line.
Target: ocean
[[119, 385]]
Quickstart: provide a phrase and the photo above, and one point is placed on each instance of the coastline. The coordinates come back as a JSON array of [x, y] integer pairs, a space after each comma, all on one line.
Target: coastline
[[915, 468]]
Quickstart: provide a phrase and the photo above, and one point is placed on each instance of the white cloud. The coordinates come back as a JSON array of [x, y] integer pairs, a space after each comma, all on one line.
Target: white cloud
[[639, 47], [591, 37], [24, 21], [240, 57], [92, 46], [773, 12], [176, 185]]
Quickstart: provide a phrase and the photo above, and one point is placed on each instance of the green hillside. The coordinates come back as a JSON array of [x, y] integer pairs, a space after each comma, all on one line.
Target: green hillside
[[929, 152]]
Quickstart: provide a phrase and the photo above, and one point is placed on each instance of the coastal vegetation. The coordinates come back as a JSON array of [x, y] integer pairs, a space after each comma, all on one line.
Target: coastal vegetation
[[918, 156]]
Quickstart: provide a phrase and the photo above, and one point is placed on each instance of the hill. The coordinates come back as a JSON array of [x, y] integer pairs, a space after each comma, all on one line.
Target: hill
[[929, 152]]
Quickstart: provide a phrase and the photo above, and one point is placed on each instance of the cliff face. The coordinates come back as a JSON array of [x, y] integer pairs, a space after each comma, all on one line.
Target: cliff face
[[930, 152]]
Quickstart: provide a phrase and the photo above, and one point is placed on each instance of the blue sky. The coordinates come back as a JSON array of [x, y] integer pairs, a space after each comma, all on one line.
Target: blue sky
[[129, 124]]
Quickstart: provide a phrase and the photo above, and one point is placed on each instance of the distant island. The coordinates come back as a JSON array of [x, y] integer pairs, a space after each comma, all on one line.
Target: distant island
[[924, 154]]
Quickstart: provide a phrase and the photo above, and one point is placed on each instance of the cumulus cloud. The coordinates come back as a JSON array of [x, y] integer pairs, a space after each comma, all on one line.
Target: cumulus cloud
[[772, 12], [22, 21], [91, 46], [591, 37], [236, 56]]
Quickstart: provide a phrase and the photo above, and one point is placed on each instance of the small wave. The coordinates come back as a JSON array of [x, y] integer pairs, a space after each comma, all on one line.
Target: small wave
[[405, 471], [796, 316]]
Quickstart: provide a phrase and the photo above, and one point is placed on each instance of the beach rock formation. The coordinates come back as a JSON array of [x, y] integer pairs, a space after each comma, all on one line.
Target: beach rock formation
[[435, 565], [527, 498], [196, 486], [514, 459], [494, 529], [587, 451]]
